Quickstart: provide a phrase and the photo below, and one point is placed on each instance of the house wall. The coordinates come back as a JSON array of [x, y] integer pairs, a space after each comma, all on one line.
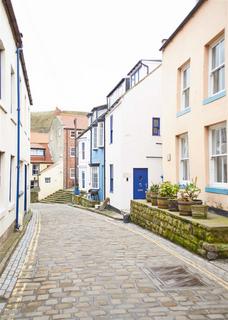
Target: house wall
[[98, 157], [190, 43], [83, 164], [8, 131], [55, 173], [132, 139]]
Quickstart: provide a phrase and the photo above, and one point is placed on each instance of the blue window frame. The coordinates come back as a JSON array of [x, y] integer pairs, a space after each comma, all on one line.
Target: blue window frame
[[156, 126], [111, 178], [111, 129]]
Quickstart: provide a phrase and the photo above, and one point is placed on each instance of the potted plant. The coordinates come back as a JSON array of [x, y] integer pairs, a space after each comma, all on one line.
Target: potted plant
[[154, 189], [199, 211], [172, 201], [188, 197], [165, 192], [148, 196]]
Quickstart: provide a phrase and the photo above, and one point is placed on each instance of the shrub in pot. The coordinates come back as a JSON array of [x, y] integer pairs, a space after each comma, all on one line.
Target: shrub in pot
[[172, 201], [188, 197], [165, 192], [154, 189]]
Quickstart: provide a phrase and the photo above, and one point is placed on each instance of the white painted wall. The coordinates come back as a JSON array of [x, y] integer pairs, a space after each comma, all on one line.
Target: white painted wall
[[132, 139], [55, 173], [83, 164], [8, 129]]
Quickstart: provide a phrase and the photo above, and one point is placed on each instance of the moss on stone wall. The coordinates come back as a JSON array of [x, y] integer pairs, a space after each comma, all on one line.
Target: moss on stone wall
[[210, 242], [84, 202]]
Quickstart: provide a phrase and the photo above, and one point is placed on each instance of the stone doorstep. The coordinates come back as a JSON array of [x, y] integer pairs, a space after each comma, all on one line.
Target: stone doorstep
[[111, 215], [172, 226], [10, 244]]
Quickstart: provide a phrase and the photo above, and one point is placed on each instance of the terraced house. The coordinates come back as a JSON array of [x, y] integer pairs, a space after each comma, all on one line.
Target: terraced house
[[195, 100], [133, 141], [15, 101]]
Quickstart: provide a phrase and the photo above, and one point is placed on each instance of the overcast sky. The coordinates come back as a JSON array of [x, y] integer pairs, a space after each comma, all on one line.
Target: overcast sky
[[77, 50]]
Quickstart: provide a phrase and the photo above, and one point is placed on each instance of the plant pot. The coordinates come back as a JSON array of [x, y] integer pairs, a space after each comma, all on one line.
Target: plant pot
[[148, 196], [185, 207], [154, 197], [162, 202], [173, 205], [198, 201], [199, 211]]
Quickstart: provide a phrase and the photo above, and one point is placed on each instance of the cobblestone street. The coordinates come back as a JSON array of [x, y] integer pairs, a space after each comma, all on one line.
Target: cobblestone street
[[81, 265]]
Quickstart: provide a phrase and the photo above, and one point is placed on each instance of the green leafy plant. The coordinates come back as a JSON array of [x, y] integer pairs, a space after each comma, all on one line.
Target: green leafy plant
[[167, 190], [154, 188], [190, 192]]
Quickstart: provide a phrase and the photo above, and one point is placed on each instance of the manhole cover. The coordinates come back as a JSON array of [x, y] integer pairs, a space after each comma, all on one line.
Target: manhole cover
[[173, 277]]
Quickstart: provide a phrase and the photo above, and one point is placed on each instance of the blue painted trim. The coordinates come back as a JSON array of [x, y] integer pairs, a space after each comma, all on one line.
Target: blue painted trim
[[182, 112], [216, 190], [214, 97]]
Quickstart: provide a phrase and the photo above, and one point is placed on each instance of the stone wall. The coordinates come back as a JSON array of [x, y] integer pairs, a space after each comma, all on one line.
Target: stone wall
[[82, 201], [209, 242]]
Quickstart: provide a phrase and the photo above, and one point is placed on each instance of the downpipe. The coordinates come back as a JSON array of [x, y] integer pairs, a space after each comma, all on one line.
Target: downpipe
[[17, 226]]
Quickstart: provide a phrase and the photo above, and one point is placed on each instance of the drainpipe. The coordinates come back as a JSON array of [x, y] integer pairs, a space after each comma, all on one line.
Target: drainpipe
[[18, 136]]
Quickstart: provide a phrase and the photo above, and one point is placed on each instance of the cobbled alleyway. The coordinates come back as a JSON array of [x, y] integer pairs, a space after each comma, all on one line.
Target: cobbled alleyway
[[85, 266]]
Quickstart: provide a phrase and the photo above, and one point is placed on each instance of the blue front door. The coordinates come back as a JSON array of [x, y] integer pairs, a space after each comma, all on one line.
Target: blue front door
[[140, 181]]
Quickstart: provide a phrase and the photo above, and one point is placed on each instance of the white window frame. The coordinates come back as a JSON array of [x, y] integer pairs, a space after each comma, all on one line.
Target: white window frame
[[100, 134], [72, 176], [184, 159], [37, 152], [212, 181], [95, 170], [72, 152], [38, 170], [94, 139], [212, 71], [47, 179], [185, 89]]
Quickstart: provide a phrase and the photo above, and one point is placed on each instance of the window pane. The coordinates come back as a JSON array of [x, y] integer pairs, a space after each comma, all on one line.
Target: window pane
[[224, 169], [185, 170], [221, 76], [218, 169], [222, 58], [223, 141], [215, 56], [215, 79], [186, 98]]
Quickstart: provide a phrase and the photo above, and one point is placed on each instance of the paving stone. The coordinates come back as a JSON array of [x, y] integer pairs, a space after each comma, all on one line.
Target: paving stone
[[88, 267]]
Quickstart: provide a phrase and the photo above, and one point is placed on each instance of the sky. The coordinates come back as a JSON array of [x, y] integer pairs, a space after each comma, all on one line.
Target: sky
[[76, 51]]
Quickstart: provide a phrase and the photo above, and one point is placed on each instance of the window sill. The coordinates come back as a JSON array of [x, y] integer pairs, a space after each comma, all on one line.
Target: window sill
[[217, 190], [182, 112], [214, 97]]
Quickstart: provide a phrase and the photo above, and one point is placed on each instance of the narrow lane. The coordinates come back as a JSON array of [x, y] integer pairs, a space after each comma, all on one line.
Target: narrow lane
[[84, 266]]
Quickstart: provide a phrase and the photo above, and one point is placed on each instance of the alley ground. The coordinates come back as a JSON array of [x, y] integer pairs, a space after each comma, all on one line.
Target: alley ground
[[81, 265]]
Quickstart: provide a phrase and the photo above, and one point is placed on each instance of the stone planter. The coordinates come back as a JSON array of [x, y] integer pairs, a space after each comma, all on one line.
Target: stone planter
[[173, 205], [148, 196], [162, 202], [154, 197], [199, 211]]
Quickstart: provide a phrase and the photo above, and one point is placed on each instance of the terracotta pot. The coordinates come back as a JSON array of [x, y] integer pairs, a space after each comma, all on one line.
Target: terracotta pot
[[185, 207], [199, 211], [154, 197], [173, 205], [162, 202]]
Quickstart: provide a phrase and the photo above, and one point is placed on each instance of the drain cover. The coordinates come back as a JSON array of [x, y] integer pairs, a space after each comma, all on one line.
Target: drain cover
[[173, 277]]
